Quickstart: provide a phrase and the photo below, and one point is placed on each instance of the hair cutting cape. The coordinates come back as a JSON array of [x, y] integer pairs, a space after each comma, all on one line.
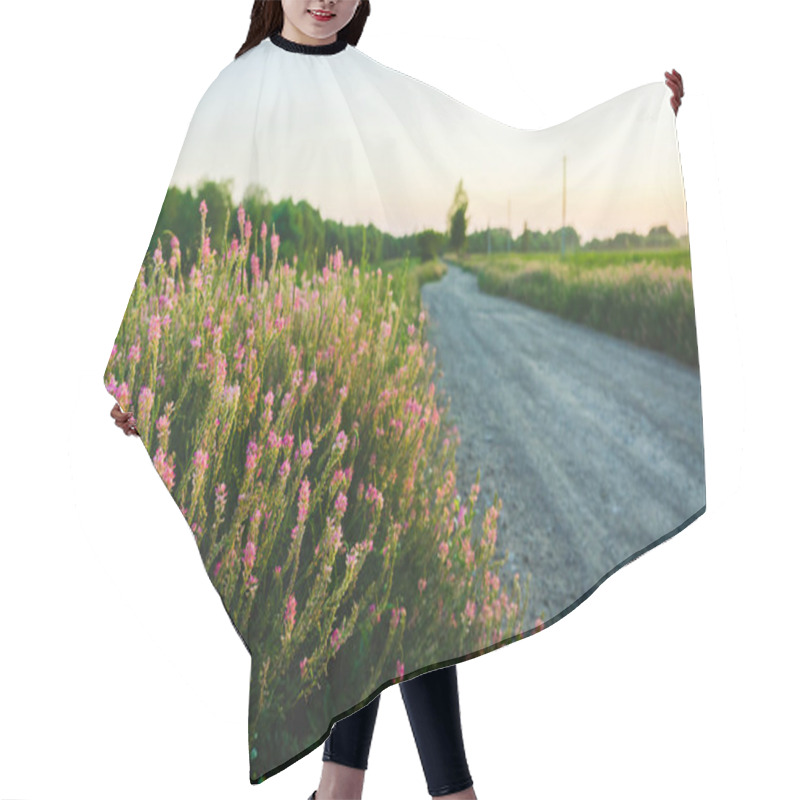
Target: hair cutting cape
[[418, 381]]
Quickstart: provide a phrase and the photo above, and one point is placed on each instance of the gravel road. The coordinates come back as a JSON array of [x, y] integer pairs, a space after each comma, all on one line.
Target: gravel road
[[594, 444]]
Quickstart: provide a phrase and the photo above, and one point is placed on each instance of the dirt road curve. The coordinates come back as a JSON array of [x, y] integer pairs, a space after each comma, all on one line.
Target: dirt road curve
[[594, 444]]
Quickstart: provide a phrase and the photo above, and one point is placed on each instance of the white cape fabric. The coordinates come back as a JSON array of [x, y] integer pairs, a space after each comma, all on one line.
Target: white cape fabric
[[391, 463]]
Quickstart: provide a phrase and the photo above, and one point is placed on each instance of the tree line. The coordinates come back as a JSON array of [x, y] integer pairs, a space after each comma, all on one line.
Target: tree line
[[304, 233]]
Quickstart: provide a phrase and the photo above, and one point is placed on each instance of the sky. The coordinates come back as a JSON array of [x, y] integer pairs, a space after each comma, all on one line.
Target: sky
[[363, 143]]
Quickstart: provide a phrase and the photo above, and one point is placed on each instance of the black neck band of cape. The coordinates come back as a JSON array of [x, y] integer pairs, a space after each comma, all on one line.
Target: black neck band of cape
[[309, 49]]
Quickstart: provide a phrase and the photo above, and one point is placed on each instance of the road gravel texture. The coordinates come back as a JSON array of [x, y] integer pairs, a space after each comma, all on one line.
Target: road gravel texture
[[594, 444]]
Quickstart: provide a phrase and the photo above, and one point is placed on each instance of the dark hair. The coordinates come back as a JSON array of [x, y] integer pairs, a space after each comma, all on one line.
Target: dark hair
[[266, 18]]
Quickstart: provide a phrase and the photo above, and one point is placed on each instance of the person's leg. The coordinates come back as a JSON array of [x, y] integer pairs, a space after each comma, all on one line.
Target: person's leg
[[432, 705], [346, 753]]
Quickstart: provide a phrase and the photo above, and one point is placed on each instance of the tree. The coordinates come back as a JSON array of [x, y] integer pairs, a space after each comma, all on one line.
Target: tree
[[429, 242], [661, 236], [457, 219]]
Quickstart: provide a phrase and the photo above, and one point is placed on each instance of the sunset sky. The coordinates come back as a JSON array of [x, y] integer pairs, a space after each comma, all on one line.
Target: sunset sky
[[366, 143]]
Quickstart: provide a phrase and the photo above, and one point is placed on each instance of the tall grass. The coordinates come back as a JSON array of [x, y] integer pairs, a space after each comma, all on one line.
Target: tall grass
[[294, 424], [643, 298]]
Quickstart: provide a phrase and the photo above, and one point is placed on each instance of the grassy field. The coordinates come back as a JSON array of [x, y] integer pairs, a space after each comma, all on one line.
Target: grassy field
[[644, 297]]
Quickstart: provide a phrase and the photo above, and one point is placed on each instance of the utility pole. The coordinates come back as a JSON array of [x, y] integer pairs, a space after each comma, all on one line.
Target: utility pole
[[509, 224], [563, 206]]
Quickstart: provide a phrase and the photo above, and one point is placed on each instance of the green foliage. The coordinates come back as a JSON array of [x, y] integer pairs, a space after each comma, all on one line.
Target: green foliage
[[457, 219], [658, 238], [430, 243], [302, 230], [644, 297], [291, 415]]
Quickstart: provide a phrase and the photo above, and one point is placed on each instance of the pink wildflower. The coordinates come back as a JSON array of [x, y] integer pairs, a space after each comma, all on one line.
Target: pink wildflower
[[249, 554], [154, 329], [289, 614], [303, 498], [164, 468], [200, 460]]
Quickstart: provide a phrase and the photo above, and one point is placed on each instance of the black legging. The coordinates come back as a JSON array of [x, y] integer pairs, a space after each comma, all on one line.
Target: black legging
[[431, 701]]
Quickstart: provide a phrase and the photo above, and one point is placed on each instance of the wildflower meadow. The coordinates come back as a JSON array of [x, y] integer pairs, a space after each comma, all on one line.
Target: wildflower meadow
[[293, 422]]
